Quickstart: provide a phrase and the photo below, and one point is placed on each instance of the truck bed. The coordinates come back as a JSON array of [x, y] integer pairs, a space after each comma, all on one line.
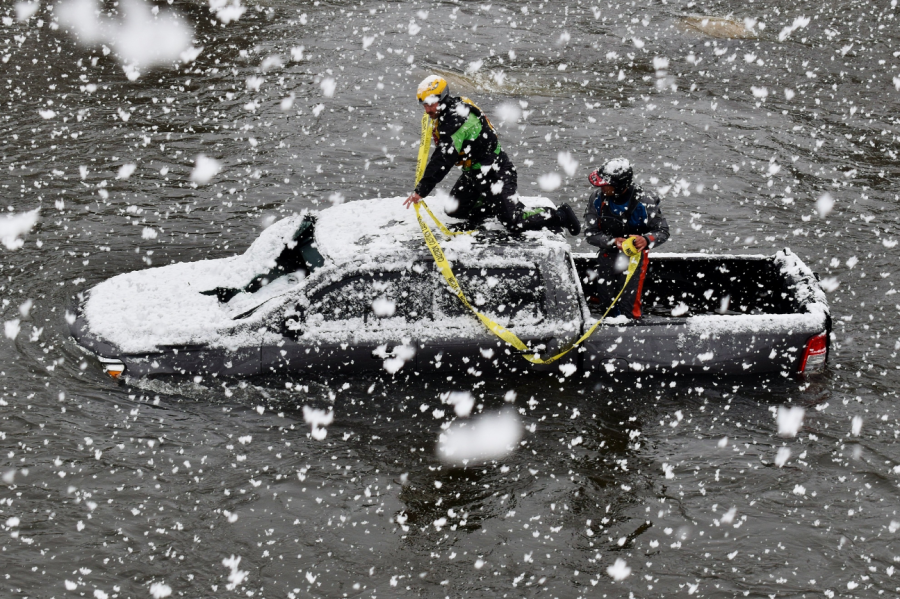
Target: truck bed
[[712, 313], [697, 284]]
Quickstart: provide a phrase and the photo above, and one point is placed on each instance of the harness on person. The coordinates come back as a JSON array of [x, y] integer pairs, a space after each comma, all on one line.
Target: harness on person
[[440, 259], [612, 224]]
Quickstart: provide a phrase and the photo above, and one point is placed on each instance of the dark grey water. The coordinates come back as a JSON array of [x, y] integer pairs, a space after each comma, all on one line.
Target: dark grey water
[[109, 489]]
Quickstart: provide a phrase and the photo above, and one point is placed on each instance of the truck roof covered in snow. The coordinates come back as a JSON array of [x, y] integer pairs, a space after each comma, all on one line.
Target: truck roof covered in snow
[[384, 227]]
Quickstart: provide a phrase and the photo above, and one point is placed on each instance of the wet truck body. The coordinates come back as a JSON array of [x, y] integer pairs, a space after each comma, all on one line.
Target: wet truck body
[[354, 289]]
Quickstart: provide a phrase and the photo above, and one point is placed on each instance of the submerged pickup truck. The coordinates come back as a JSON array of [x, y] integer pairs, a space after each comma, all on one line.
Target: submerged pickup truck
[[354, 288]]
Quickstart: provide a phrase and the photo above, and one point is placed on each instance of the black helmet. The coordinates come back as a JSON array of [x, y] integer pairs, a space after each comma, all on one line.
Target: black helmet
[[616, 172]]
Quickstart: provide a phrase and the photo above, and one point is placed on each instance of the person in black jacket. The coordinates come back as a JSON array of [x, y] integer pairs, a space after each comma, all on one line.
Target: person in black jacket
[[464, 136], [615, 211]]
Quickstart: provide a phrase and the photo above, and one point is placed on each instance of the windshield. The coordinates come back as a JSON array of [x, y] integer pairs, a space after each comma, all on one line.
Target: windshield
[[300, 254], [304, 253]]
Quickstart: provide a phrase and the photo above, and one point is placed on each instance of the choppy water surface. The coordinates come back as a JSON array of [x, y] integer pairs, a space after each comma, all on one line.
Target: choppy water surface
[[130, 490]]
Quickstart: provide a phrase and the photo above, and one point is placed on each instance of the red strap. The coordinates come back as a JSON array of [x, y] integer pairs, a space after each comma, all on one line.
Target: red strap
[[636, 308]]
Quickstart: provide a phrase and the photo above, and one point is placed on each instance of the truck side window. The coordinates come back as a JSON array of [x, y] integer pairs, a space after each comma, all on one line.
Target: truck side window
[[374, 296], [514, 293], [340, 301], [405, 293]]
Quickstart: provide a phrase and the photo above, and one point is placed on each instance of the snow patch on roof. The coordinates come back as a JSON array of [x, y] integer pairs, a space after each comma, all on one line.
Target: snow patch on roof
[[354, 230]]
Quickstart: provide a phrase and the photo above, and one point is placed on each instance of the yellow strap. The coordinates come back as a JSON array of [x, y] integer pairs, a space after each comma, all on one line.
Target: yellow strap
[[501, 332], [424, 146], [440, 225]]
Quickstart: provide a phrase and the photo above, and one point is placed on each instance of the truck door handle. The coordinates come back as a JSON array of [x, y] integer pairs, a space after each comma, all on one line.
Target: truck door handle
[[382, 352], [401, 351]]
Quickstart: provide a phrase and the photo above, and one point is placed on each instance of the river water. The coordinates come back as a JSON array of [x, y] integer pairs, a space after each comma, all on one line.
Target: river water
[[156, 488]]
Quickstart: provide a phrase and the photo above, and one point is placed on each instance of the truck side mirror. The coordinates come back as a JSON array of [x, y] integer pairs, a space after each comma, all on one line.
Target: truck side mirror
[[294, 322]]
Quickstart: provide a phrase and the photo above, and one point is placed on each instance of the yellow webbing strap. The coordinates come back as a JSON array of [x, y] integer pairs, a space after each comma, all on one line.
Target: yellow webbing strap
[[424, 146], [501, 332], [440, 225]]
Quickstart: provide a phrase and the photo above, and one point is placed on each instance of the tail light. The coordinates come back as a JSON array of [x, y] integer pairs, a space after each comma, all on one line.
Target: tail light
[[815, 352]]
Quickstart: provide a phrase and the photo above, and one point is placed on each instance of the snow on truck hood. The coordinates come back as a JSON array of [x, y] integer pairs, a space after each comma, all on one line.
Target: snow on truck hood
[[146, 310]]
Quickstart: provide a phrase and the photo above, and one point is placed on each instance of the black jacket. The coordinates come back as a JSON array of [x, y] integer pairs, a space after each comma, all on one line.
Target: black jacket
[[637, 214], [463, 137]]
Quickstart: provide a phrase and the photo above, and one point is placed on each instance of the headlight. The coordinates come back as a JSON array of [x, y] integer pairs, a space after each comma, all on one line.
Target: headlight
[[113, 367]]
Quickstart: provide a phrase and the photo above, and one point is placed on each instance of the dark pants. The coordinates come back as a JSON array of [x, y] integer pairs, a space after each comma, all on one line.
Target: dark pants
[[612, 267], [491, 192]]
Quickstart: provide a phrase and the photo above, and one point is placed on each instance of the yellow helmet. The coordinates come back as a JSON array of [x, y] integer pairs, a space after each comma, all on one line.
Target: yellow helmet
[[432, 89]]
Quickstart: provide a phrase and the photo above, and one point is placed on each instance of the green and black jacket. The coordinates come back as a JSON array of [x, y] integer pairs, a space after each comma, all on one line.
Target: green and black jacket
[[464, 137]]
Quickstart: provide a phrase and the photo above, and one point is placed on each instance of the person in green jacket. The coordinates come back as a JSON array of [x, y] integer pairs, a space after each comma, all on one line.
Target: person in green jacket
[[464, 136]]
